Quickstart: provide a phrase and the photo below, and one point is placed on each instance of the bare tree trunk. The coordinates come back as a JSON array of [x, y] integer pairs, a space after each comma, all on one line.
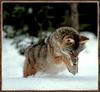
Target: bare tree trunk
[[74, 16]]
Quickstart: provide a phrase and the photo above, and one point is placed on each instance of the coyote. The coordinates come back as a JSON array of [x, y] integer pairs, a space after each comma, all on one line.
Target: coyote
[[60, 49]]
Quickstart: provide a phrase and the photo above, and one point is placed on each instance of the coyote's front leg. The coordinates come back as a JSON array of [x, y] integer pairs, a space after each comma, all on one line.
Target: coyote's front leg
[[72, 68]]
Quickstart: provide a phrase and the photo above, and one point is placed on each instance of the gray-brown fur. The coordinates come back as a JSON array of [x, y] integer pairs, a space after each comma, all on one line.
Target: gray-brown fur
[[47, 54]]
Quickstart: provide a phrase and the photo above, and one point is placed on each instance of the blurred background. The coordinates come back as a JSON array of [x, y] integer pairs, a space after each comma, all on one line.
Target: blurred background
[[27, 23]]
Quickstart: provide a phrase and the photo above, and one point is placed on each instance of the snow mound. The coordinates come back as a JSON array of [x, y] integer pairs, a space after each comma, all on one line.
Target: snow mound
[[86, 79]]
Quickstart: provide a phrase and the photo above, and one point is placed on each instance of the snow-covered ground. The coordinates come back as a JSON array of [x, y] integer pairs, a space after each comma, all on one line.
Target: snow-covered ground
[[86, 79]]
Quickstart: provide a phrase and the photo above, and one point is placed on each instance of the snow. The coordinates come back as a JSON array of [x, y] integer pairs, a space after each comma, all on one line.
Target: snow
[[86, 79]]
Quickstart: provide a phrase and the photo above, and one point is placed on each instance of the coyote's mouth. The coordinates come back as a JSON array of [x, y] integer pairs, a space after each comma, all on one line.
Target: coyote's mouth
[[73, 58], [73, 54]]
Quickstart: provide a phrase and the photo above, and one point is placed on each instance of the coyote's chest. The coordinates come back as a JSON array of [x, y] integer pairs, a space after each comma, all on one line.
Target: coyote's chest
[[52, 66]]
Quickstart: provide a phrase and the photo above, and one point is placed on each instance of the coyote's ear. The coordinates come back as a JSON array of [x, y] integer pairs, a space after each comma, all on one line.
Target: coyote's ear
[[83, 39]]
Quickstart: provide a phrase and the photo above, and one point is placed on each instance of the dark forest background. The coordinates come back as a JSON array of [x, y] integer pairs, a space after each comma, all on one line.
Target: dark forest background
[[37, 20]]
